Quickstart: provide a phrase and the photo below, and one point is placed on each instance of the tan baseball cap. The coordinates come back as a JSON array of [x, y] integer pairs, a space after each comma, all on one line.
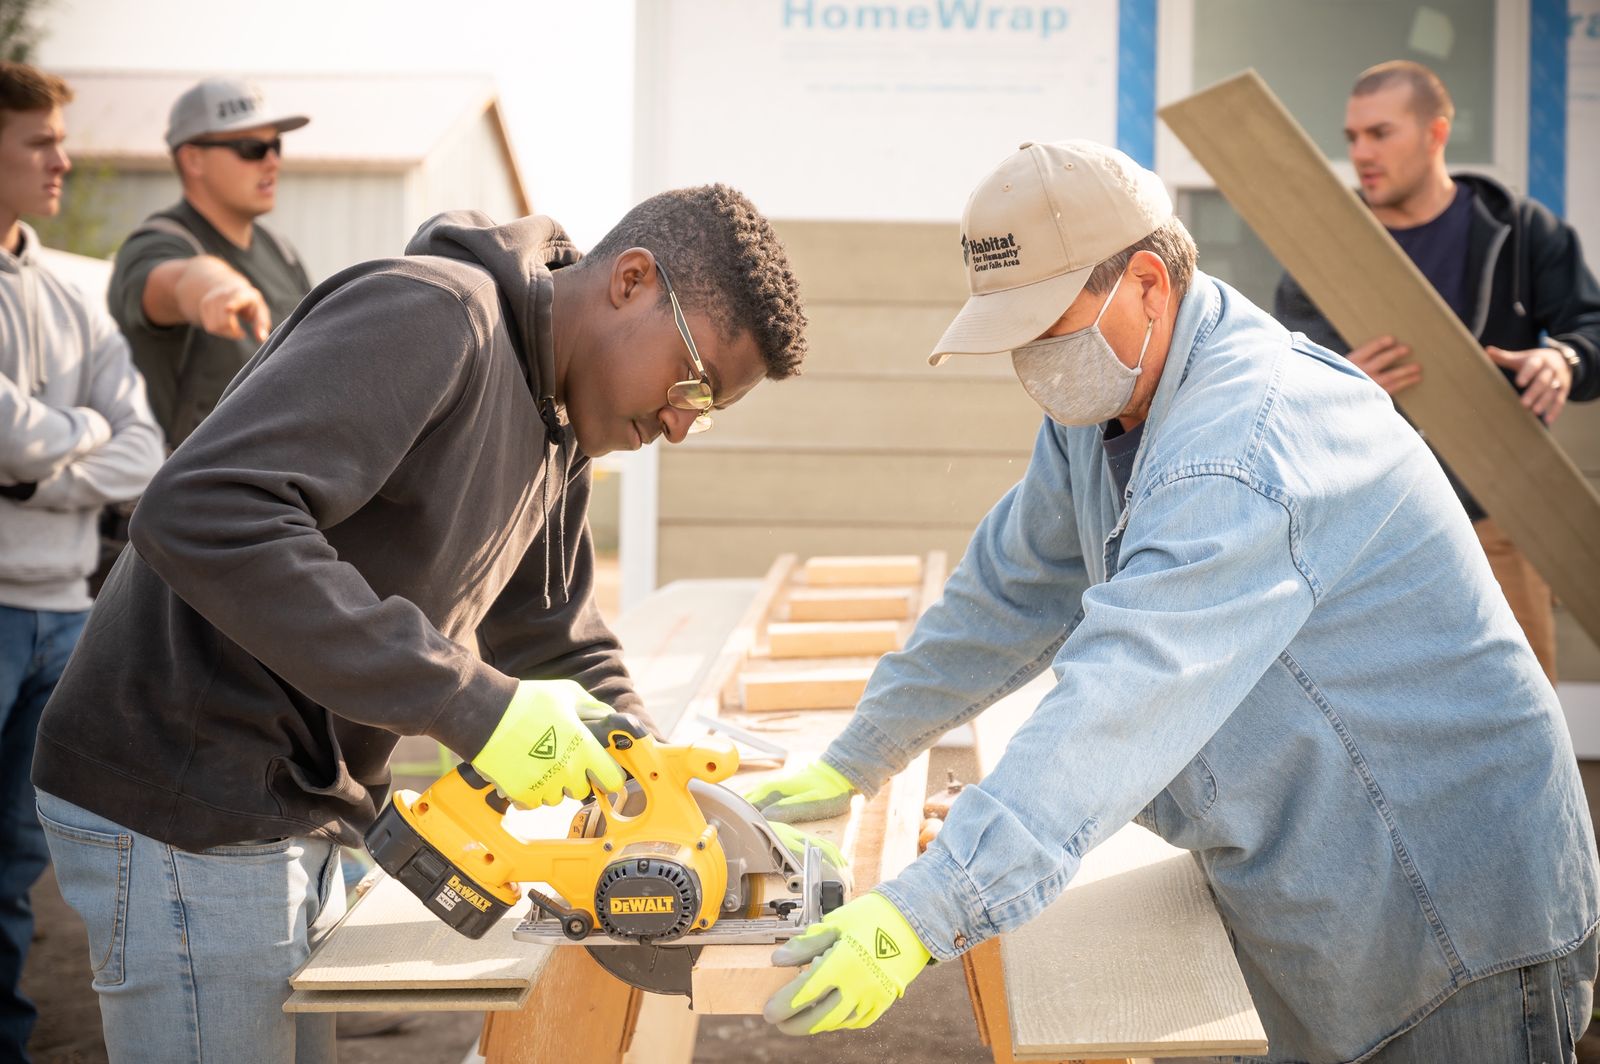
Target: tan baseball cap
[[1035, 229]]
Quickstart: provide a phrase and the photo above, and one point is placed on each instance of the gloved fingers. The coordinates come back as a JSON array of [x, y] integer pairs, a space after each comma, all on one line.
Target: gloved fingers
[[591, 711], [605, 781], [830, 1013], [803, 949], [806, 1018], [866, 1014], [764, 793], [799, 808]]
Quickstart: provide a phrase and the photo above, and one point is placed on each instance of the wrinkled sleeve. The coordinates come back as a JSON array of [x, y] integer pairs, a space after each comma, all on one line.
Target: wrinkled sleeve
[[120, 468], [1566, 297], [234, 521], [38, 440], [1211, 593], [137, 257], [533, 634], [1005, 610]]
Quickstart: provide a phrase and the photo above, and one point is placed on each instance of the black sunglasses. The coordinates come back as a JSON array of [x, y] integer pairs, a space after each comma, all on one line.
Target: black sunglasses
[[250, 149]]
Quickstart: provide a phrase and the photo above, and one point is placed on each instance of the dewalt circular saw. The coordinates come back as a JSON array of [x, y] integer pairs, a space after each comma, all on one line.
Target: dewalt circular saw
[[643, 879]]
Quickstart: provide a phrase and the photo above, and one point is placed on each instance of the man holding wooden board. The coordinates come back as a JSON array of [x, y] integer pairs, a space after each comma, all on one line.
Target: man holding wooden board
[[1512, 271], [1277, 644]]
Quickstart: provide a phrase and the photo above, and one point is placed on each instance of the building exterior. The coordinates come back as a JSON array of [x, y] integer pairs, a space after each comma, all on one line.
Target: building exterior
[[863, 126], [382, 154]]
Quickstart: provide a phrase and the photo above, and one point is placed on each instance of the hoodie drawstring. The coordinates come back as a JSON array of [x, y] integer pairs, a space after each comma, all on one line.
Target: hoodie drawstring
[[555, 447]]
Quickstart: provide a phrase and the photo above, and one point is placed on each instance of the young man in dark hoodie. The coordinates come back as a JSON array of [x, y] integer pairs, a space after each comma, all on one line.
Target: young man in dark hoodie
[[1512, 271], [380, 531]]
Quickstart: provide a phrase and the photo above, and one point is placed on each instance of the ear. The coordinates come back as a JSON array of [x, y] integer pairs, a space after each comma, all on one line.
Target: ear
[[1438, 133], [1155, 284], [188, 159], [633, 275]]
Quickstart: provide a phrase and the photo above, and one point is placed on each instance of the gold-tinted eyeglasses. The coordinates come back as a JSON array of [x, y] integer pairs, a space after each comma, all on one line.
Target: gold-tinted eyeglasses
[[695, 393]]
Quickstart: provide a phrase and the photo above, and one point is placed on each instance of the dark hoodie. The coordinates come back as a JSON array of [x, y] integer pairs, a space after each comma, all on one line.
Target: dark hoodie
[[1527, 279], [381, 527]]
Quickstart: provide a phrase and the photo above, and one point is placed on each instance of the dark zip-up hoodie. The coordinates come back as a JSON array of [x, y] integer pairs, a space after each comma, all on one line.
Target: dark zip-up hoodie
[[1528, 279], [377, 532]]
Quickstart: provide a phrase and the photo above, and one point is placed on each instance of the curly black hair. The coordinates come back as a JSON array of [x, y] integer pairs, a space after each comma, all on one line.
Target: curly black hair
[[723, 258]]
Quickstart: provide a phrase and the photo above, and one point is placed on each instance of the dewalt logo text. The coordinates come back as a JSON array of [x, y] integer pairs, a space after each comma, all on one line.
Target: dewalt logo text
[[470, 896], [637, 906]]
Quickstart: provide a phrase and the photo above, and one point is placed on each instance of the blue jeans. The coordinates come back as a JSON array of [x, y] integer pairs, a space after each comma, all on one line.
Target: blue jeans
[[34, 647], [1532, 1015], [192, 952]]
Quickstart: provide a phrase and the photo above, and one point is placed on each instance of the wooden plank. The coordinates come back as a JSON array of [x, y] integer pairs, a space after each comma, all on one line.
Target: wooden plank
[[870, 490], [1131, 959], [378, 943], [870, 570], [578, 1012], [692, 550], [500, 999], [707, 701], [873, 262], [664, 1031], [855, 340], [831, 639], [1279, 182], [848, 603], [885, 415], [771, 692]]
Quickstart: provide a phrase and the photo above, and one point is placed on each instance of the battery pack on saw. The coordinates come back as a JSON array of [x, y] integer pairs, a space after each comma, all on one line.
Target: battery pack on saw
[[454, 897]]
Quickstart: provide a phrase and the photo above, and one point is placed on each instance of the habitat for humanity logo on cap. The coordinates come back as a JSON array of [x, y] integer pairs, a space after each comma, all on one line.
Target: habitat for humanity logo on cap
[[1033, 232], [989, 252]]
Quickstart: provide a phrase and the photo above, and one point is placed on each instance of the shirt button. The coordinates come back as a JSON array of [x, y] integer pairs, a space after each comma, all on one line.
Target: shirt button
[[961, 942]]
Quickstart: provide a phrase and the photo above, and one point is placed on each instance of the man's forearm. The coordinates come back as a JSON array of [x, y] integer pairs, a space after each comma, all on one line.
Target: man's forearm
[[173, 291]]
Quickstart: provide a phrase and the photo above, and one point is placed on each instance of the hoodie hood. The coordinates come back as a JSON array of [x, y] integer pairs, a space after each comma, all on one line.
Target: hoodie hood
[[520, 256], [20, 269]]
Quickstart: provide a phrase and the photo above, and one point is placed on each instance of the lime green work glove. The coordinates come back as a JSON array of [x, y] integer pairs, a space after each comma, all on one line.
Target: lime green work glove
[[542, 751], [868, 956], [795, 841], [816, 792]]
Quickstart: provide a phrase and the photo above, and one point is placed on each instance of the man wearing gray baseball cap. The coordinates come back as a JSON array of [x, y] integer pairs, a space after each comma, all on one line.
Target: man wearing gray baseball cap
[[1276, 643], [198, 286]]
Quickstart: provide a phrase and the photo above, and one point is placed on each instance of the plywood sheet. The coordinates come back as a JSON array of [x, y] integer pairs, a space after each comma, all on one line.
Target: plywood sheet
[[1279, 182], [501, 999], [389, 941], [1131, 960]]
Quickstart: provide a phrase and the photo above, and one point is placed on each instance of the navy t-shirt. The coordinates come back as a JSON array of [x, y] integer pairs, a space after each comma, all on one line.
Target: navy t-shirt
[[1121, 447], [1439, 248]]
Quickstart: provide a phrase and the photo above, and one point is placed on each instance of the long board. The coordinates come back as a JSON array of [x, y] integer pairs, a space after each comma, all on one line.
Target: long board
[[1279, 182]]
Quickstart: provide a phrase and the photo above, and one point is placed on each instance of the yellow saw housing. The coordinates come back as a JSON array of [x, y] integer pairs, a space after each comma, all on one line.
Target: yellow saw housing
[[452, 849]]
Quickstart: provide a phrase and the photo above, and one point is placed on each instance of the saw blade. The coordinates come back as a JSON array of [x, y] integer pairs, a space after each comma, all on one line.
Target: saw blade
[[656, 969]]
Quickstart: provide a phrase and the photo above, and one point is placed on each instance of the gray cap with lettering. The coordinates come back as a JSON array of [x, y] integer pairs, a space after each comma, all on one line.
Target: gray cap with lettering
[[222, 105]]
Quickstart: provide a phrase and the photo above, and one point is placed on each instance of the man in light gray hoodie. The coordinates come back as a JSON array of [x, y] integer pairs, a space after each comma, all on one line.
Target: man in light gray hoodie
[[75, 434]]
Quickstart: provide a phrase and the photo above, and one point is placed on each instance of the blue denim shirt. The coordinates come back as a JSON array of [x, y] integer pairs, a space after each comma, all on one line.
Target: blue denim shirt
[[1281, 649]]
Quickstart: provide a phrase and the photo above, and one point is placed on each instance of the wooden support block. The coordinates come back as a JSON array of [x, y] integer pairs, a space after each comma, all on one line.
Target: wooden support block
[[869, 570], [764, 692], [1282, 186], [832, 639], [849, 604], [578, 1011], [737, 980]]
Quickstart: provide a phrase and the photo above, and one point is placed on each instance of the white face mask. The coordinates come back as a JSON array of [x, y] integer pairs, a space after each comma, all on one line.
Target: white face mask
[[1077, 378]]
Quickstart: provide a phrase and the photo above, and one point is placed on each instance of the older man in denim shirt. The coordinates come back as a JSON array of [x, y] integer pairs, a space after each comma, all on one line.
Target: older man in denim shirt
[[1277, 644]]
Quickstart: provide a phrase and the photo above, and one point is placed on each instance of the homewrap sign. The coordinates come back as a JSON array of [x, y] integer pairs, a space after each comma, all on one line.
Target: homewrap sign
[[824, 109]]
